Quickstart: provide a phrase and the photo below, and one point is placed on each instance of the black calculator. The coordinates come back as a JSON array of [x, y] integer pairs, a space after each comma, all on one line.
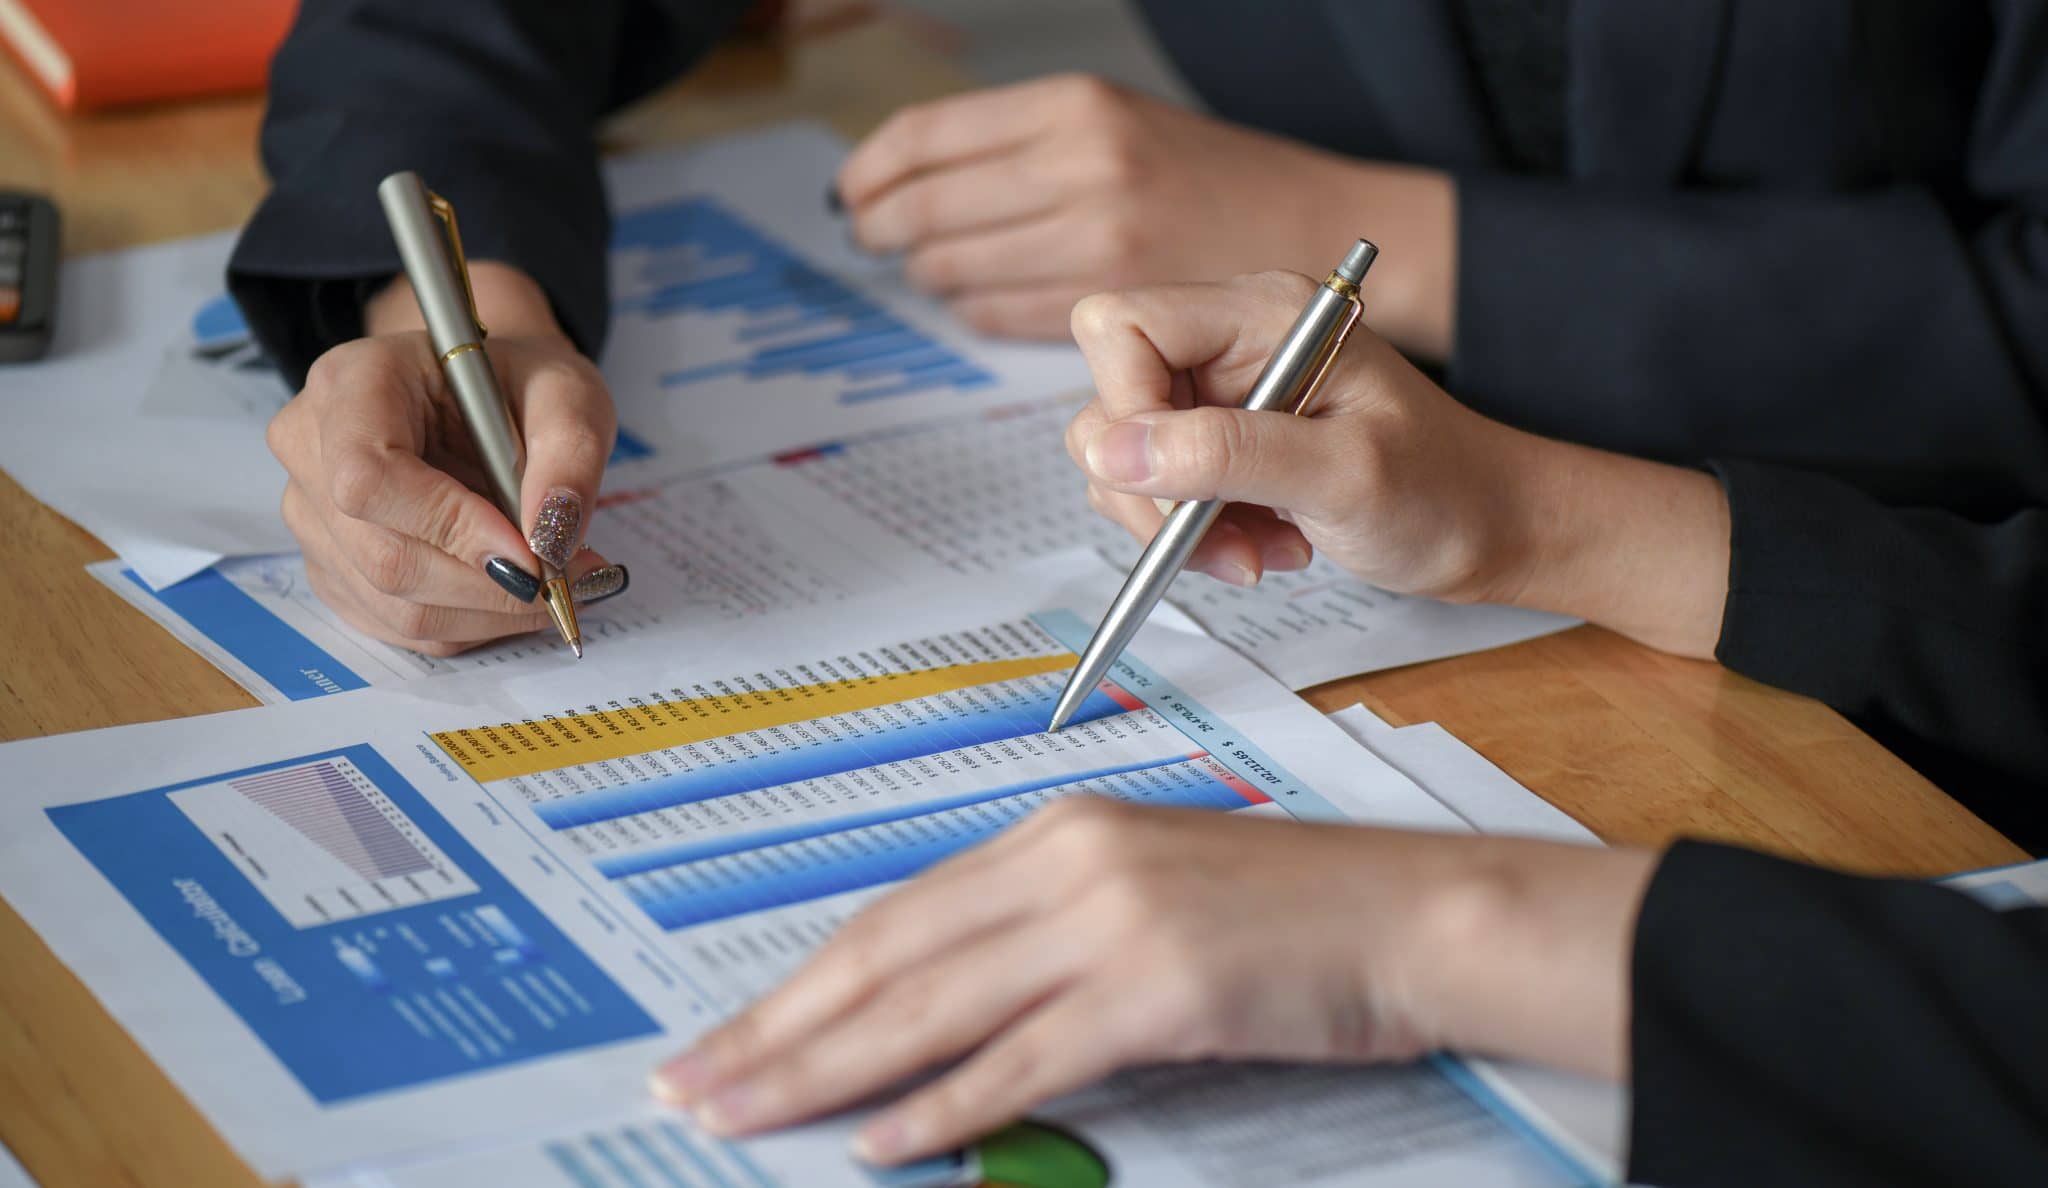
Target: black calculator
[[28, 275]]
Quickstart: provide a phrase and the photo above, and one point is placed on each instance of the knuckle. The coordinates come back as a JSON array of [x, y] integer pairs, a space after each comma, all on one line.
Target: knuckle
[[1098, 317], [932, 268], [415, 621], [353, 483], [387, 564], [1087, 93]]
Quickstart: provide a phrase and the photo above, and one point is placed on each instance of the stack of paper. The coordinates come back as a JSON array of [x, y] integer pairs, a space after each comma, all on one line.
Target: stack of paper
[[797, 427], [405, 928]]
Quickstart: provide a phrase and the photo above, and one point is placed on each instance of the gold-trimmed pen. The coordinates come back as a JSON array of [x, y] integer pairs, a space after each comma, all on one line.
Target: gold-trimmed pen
[[430, 245]]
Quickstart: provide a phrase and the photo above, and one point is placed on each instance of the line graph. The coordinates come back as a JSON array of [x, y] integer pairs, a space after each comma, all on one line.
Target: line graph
[[322, 842]]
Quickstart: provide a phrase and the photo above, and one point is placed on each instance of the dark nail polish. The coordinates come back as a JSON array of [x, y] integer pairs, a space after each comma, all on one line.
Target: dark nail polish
[[512, 579], [833, 202], [606, 581]]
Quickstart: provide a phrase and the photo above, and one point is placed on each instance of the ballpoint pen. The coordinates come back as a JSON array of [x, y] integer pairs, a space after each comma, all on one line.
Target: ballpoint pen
[[1287, 384], [430, 245]]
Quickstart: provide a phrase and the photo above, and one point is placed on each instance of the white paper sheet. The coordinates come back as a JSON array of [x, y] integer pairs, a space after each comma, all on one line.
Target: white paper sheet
[[397, 925], [12, 1174], [1487, 798], [891, 509], [146, 422]]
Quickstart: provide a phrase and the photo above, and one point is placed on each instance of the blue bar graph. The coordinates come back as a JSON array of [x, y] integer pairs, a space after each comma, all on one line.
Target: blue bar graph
[[801, 321], [985, 714], [775, 876], [640, 861]]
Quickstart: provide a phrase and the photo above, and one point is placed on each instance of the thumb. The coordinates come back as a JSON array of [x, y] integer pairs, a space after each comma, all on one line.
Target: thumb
[[567, 418], [1275, 459]]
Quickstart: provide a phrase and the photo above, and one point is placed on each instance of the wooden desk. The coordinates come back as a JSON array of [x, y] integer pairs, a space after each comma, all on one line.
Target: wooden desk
[[1637, 745]]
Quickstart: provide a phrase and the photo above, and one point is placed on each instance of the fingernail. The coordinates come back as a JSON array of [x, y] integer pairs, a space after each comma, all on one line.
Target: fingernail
[[1232, 573], [555, 527], [726, 1112], [682, 1079], [833, 202], [1293, 555], [882, 1141], [1121, 452], [606, 581], [512, 579]]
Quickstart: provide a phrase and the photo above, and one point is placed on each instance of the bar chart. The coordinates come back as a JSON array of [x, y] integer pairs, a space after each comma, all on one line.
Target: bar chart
[[782, 319], [776, 792]]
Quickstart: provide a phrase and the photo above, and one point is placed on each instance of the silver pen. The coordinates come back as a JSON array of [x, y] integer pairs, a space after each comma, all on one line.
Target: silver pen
[[423, 223], [1287, 384]]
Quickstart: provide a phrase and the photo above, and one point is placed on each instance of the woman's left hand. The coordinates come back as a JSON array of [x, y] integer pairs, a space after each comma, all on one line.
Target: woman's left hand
[[1099, 935]]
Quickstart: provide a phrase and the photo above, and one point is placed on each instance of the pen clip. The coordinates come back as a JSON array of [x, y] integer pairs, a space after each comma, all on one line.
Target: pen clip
[[1315, 383], [445, 211]]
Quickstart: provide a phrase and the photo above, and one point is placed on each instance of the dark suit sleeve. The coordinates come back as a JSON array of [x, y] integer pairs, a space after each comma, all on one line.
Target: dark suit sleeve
[[494, 102], [1893, 334], [1795, 1026], [1917, 623]]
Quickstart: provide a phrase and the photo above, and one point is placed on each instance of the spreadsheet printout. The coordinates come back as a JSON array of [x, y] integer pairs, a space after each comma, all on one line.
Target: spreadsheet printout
[[420, 923]]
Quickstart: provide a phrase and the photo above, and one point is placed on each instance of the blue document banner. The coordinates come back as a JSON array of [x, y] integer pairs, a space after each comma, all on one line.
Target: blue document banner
[[349, 926]]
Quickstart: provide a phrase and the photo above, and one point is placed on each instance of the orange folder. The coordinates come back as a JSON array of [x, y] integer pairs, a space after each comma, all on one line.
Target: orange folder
[[104, 53]]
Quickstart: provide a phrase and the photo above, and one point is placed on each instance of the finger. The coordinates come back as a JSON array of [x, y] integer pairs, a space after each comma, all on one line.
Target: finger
[[411, 569], [566, 415], [1057, 248], [948, 200], [1077, 1038], [396, 490], [1271, 458], [1139, 343], [411, 623], [928, 135], [1019, 311], [927, 1015], [1233, 551], [945, 907]]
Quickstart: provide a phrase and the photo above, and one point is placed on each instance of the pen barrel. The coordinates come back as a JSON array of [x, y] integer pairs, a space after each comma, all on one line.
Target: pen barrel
[[1290, 376], [422, 241], [489, 418]]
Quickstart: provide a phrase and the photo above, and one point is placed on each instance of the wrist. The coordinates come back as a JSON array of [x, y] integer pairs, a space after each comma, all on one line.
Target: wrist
[[1521, 949], [508, 301], [1639, 547]]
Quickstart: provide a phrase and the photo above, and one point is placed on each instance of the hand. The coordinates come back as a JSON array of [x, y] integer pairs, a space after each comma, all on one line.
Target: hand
[[1099, 935], [384, 490], [1389, 476], [1013, 203]]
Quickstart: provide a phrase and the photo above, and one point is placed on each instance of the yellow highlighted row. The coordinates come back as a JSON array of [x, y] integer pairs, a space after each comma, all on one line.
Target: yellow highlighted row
[[522, 748]]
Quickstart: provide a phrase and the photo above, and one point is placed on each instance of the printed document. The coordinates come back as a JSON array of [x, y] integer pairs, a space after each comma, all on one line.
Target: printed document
[[415, 926]]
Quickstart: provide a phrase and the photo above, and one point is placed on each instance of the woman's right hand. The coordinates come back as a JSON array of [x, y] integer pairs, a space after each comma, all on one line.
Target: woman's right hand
[[1388, 475], [384, 491]]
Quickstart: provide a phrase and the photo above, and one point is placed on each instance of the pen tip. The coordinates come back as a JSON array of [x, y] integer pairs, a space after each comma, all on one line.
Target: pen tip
[[576, 646]]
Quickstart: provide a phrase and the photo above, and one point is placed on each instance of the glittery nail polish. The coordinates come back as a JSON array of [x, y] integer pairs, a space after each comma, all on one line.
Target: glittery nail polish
[[557, 527], [512, 579], [601, 583]]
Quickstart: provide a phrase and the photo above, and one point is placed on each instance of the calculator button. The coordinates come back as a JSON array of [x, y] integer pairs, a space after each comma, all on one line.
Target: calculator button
[[10, 303], [12, 248], [10, 272], [13, 219]]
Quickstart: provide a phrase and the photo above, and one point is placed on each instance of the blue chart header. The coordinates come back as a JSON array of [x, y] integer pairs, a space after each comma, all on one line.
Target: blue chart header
[[272, 648], [352, 929]]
